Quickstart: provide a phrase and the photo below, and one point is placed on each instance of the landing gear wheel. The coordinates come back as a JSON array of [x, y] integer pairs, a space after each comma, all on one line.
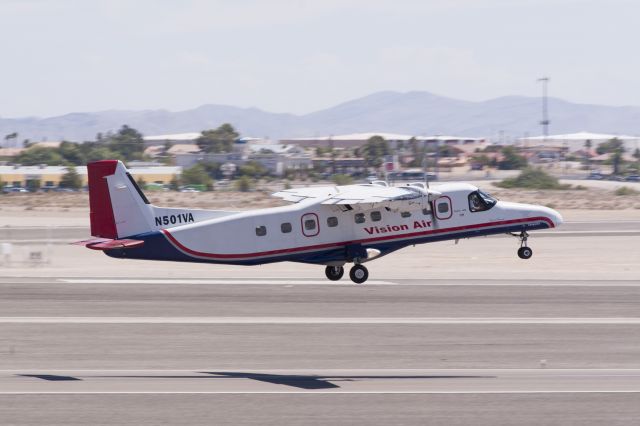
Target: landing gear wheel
[[334, 273], [358, 274], [525, 252]]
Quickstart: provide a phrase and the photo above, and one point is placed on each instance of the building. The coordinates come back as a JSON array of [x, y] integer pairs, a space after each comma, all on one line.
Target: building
[[350, 141], [275, 157], [576, 141], [161, 140], [50, 176]]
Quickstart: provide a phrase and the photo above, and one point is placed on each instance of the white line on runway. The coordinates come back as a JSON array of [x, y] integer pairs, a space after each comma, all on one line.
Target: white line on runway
[[293, 281], [316, 392], [313, 320], [307, 281]]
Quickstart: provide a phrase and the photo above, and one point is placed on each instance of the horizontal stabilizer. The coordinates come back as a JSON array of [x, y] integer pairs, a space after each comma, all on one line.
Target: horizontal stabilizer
[[109, 244]]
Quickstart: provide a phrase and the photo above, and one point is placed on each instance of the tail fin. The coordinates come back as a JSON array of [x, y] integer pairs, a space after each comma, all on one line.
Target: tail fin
[[118, 208]]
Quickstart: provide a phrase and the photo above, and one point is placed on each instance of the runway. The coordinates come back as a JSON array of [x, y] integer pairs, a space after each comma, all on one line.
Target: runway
[[237, 348]]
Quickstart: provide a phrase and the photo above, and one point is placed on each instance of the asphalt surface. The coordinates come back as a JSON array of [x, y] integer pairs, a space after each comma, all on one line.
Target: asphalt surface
[[491, 351]]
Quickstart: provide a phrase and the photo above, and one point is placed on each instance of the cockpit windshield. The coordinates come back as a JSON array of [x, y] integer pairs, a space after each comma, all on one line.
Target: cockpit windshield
[[480, 201]]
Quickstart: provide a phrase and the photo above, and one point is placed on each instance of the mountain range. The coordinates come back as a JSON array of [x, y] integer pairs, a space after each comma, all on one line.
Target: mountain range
[[417, 113]]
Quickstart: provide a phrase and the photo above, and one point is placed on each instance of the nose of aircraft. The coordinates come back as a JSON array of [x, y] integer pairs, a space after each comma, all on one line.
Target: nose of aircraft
[[555, 217]]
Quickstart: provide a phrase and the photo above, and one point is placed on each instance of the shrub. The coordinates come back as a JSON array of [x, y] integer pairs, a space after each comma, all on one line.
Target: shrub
[[244, 184], [340, 179], [532, 178], [625, 190]]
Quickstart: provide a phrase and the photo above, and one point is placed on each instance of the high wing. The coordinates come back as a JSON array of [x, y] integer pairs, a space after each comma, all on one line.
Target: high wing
[[363, 197]]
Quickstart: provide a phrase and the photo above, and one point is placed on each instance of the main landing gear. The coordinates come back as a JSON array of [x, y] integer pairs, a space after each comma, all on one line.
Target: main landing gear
[[334, 273], [524, 252], [358, 273]]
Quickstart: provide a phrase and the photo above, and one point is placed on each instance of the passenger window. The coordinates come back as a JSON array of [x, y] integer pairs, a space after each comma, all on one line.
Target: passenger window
[[443, 207], [359, 217], [261, 231], [310, 224], [285, 228], [426, 212], [405, 214], [332, 221], [376, 216]]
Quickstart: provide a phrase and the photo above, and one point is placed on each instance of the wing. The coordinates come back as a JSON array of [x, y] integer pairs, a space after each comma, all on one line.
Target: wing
[[299, 194], [363, 197]]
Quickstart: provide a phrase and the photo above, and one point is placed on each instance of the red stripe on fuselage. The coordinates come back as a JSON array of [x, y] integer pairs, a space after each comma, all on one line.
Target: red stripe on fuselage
[[180, 246]]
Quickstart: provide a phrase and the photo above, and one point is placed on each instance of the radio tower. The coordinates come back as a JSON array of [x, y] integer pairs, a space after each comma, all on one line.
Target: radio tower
[[545, 117]]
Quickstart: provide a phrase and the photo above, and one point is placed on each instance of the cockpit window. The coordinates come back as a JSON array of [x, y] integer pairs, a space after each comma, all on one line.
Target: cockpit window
[[480, 201]]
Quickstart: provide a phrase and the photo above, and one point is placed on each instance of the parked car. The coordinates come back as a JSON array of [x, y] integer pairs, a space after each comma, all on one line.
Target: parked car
[[633, 178], [14, 189], [595, 176]]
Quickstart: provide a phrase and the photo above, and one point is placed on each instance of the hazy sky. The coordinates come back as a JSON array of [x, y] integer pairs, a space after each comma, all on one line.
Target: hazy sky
[[300, 56]]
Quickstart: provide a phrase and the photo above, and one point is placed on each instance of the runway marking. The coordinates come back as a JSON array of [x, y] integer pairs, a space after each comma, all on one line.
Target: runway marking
[[307, 281], [229, 281], [315, 320], [314, 392]]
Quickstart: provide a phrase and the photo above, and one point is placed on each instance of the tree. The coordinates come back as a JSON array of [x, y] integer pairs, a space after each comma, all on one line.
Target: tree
[[615, 147], [374, 151], [71, 179], [252, 169], [127, 142], [610, 146], [10, 136], [39, 155], [196, 175], [95, 152], [71, 153], [512, 160], [218, 140], [636, 154]]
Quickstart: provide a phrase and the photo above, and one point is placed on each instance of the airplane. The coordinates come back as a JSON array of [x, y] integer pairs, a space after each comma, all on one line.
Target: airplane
[[327, 225]]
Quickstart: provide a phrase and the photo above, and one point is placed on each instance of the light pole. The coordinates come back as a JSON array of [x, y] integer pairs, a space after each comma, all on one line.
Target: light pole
[[545, 117]]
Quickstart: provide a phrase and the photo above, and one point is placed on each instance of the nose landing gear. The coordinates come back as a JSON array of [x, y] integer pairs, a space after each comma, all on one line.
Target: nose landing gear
[[524, 252]]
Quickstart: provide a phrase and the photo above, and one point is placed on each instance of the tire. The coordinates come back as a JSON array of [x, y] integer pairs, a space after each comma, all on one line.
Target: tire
[[525, 252], [334, 273], [358, 274]]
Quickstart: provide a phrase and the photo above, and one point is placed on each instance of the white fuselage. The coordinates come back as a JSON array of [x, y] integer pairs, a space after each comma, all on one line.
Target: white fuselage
[[309, 231]]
